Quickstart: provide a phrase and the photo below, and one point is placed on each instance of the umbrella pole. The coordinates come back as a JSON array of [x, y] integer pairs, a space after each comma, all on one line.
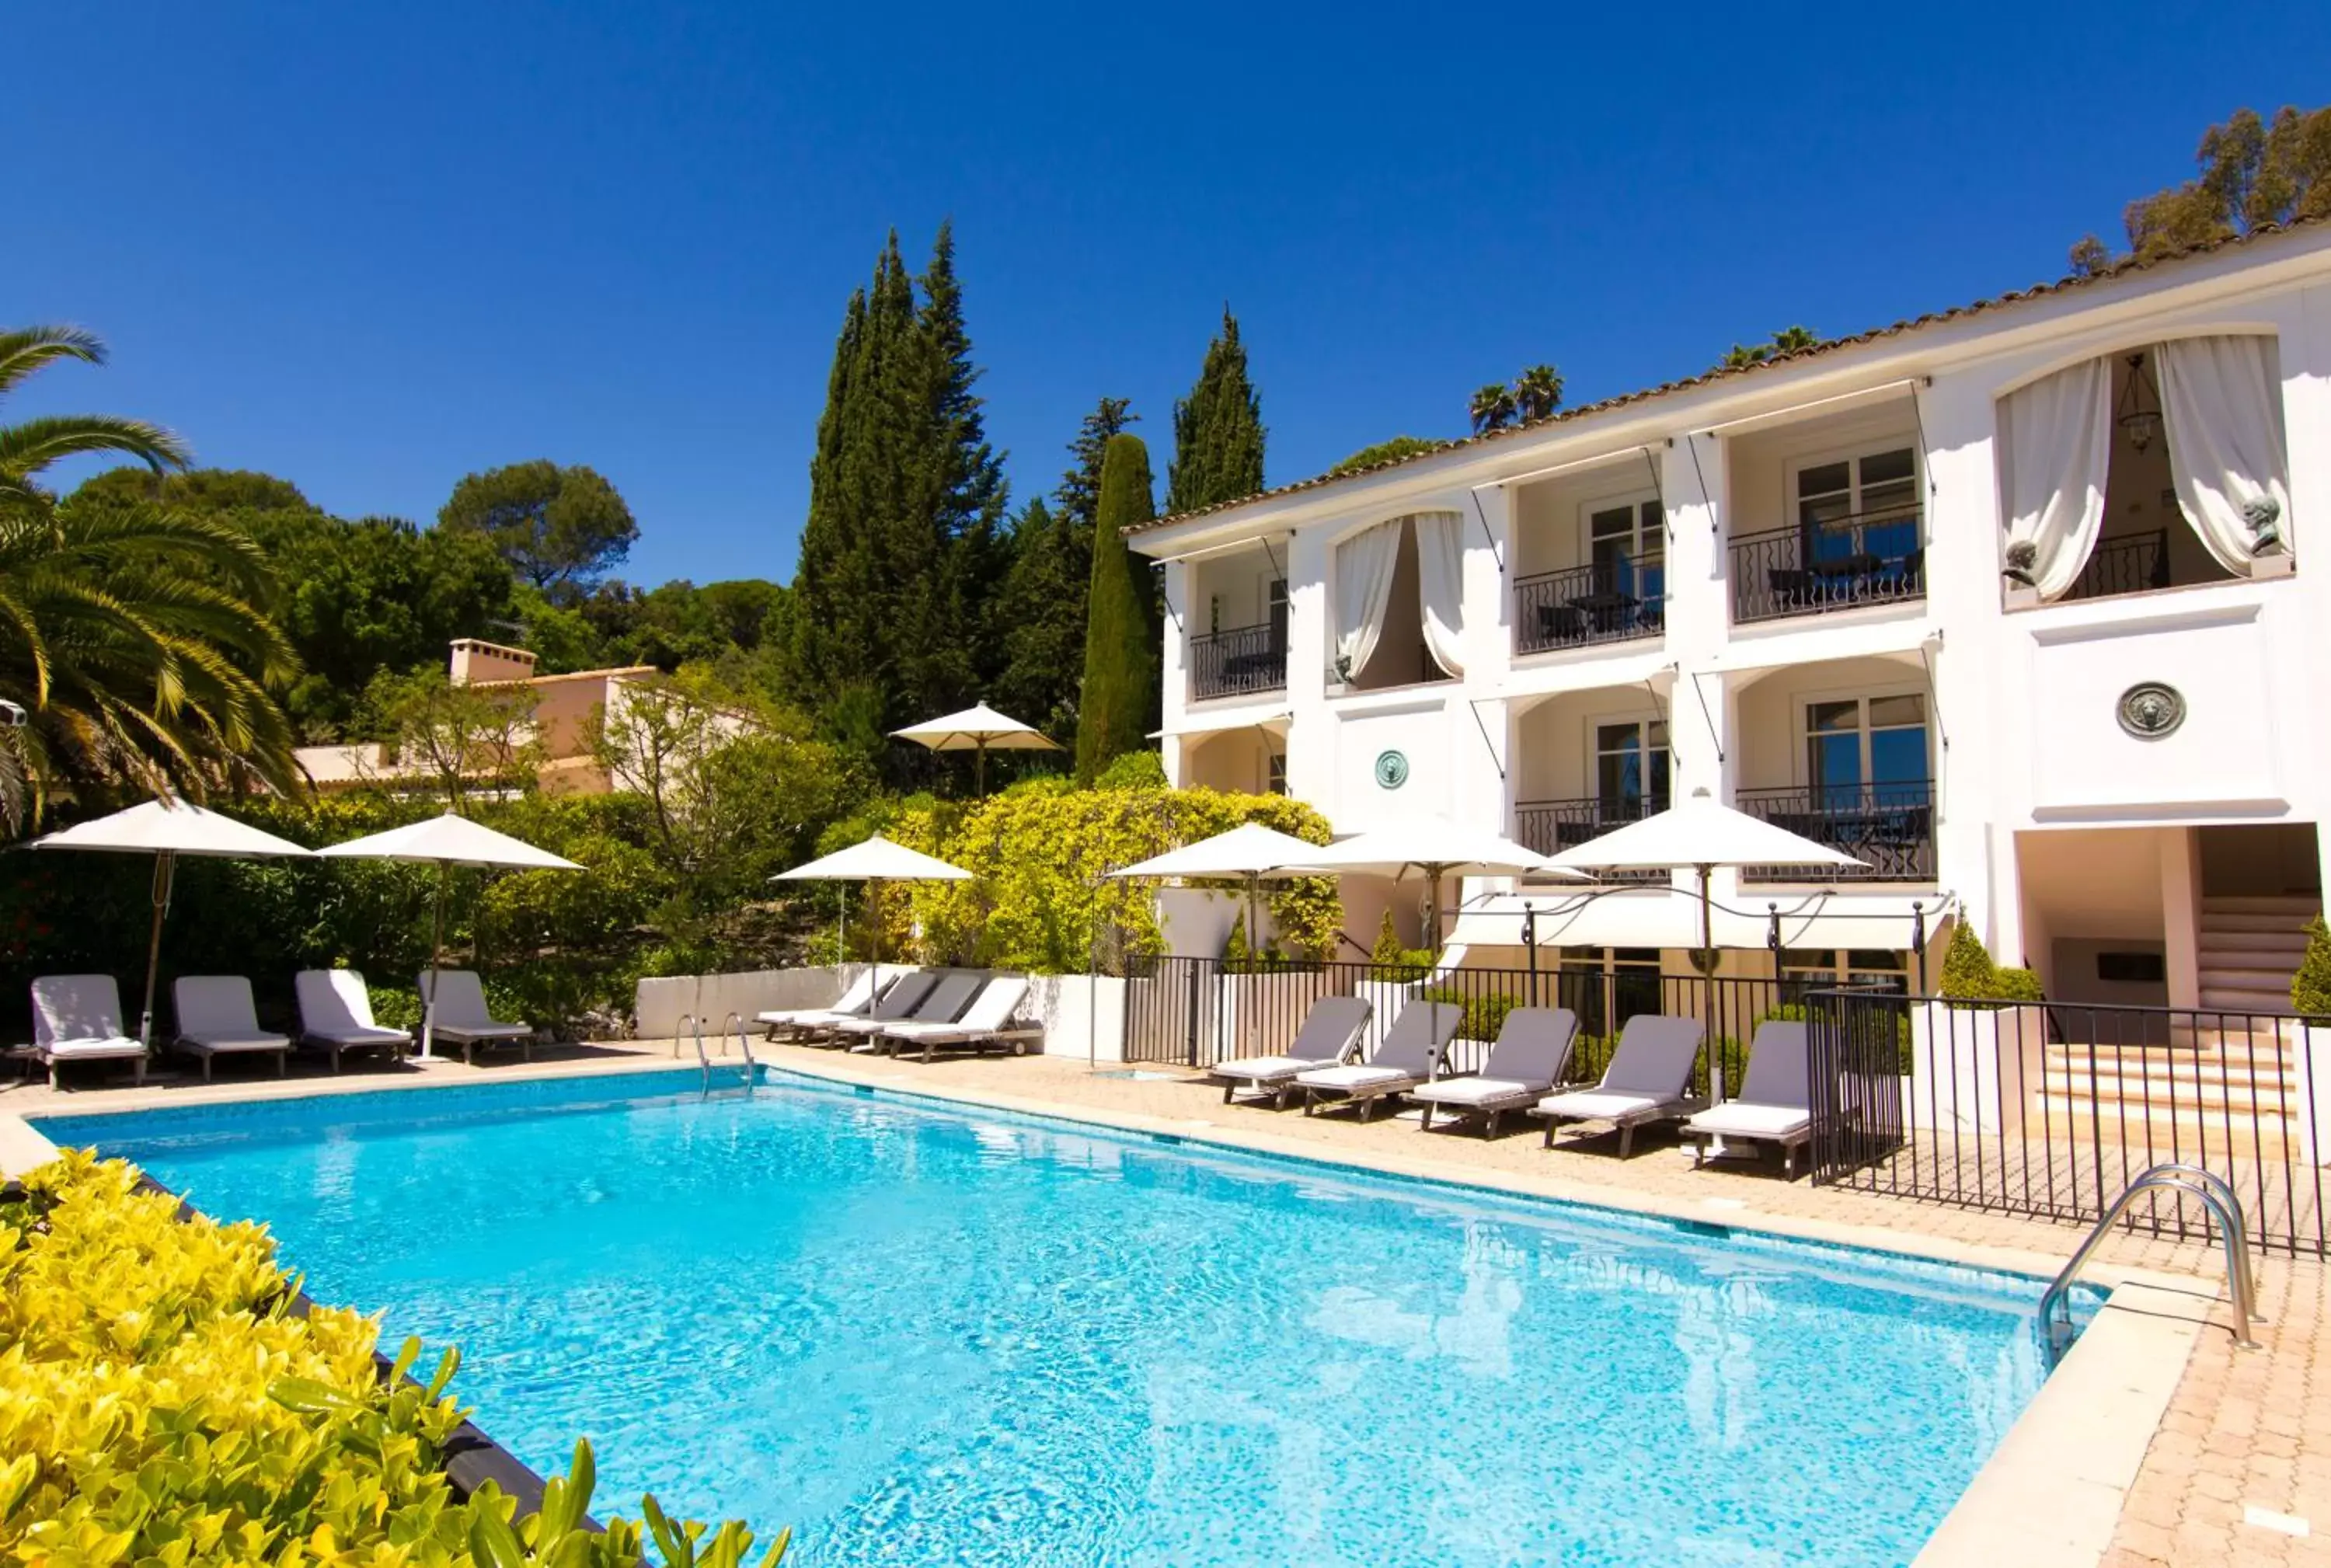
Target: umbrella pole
[[436, 959], [166, 866], [979, 766], [1432, 915], [1707, 980]]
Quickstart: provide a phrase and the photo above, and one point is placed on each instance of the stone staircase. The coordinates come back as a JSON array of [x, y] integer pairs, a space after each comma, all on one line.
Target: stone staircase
[[2224, 1081]]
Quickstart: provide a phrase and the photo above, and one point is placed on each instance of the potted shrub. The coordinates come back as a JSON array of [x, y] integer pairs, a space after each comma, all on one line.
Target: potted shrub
[[2310, 998], [1975, 1059]]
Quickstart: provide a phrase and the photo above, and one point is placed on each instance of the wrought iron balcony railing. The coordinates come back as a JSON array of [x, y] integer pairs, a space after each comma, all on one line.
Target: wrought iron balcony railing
[[1582, 605], [1875, 558], [1243, 662], [1550, 827], [2133, 564], [1889, 827]]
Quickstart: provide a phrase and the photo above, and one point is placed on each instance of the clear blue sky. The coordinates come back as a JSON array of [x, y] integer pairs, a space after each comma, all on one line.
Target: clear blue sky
[[373, 252]]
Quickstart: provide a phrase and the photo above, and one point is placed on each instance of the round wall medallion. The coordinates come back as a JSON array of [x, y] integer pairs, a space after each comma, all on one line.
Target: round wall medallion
[[1392, 769], [2151, 709]]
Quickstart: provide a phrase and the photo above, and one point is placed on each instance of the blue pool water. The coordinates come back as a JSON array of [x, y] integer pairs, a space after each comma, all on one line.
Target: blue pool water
[[927, 1335]]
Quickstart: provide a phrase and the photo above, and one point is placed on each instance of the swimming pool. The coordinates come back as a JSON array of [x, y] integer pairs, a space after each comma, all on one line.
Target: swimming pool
[[931, 1335]]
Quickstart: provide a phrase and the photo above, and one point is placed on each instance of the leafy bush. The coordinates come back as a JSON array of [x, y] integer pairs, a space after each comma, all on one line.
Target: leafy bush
[[159, 1403], [395, 1006], [1035, 901], [1136, 770], [1969, 975], [2310, 988], [1485, 1011], [1394, 961]]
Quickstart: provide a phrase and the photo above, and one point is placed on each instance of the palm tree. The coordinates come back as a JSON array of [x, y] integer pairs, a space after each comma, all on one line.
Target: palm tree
[[1537, 391], [1493, 408], [27, 449], [129, 634]]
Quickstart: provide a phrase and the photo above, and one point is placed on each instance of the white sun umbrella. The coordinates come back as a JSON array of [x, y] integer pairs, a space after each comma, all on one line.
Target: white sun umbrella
[[166, 829], [979, 729], [1434, 847], [874, 861], [1699, 835], [1250, 853], [446, 842]]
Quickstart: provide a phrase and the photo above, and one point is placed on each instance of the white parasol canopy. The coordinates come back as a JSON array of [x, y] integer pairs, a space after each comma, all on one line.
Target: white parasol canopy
[[1434, 847], [1699, 835], [1249, 850], [166, 829], [447, 841], [874, 861], [977, 729]]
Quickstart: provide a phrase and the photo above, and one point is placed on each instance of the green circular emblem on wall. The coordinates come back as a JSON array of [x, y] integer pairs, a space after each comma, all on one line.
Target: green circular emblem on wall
[[1392, 769]]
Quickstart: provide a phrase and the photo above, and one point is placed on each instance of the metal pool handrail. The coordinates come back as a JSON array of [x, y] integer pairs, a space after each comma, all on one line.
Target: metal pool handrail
[[2217, 1195], [690, 1021], [736, 1021]]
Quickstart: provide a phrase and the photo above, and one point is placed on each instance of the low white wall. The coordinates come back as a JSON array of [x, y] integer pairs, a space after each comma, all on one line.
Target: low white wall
[[1081, 1017], [659, 1004]]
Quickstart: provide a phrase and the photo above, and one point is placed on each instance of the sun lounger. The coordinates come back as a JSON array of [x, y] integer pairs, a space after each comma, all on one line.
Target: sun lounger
[[951, 991], [854, 1001], [1775, 1103], [77, 1018], [335, 1015], [1409, 1055], [1645, 1082], [1330, 1033], [897, 1002], [1532, 1055], [986, 1021], [216, 1018], [461, 1017]]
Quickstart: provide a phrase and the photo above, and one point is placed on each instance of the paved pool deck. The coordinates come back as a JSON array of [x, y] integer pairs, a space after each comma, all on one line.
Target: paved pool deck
[[2237, 1466]]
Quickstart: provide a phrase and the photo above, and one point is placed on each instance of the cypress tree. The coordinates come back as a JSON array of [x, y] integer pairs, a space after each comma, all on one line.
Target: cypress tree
[[1120, 687], [907, 499], [1218, 432]]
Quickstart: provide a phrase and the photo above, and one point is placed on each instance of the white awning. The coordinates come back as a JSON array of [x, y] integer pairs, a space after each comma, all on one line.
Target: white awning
[[1271, 718], [1660, 917]]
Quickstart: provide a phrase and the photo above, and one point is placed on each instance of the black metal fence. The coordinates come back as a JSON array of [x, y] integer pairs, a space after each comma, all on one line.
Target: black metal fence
[[1242, 661], [1875, 558], [1582, 605], [2132, 564], [1889, 827], [2051, 1109], [1194, 1013]]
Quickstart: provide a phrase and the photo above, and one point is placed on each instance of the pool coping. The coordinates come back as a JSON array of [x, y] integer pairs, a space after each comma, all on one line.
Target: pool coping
[[2050, 1495]]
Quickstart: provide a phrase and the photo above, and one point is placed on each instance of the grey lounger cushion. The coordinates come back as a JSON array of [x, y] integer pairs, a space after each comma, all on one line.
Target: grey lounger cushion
[[1531, 1054], [1644, 1082], [77, 1018], [1330, 1031], [989, 1017], [1775, 1101], [950, 993], [1409, 1054], [336, 1011], [215, 1013], [461, 1011], [902, 999]]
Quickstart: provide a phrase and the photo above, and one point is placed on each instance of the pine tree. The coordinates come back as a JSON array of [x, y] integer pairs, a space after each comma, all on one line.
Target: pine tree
[[971, 490], [1121, 686], [1079, 497], [1218, 434]]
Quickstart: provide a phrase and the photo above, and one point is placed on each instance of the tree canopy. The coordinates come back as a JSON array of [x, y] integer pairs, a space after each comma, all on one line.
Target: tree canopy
[[1385, 451], [554, 526], [1120, 685], [2250, 172]]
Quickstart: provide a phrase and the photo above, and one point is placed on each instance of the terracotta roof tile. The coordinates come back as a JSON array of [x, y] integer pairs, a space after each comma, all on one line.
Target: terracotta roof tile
[[2120, 269]]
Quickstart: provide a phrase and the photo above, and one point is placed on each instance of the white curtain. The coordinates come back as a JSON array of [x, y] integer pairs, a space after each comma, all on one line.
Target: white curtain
[[1363, 569], [2056, 436], [2224, 412], [1440, 579]]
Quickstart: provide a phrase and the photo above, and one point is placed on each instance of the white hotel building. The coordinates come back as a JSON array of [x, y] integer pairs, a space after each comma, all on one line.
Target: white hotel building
[[2010, 601]]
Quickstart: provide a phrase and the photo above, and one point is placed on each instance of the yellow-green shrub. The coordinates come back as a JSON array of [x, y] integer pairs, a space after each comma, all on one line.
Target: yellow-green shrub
[[161, 1406]]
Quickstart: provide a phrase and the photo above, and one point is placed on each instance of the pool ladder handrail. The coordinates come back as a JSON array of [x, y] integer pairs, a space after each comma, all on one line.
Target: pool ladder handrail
[[688, 1020], [2217, 1195], [734, 1022]]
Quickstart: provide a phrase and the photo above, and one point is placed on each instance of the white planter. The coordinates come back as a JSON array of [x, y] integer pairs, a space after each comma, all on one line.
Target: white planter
[[1083, 1015], [1974, 1068]]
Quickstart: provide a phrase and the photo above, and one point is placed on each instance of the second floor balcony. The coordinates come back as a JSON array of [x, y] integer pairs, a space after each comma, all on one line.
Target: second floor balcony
[[1242, 662], [1817, 568], [1550, 827], [1607, 601], [1890, 827]]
